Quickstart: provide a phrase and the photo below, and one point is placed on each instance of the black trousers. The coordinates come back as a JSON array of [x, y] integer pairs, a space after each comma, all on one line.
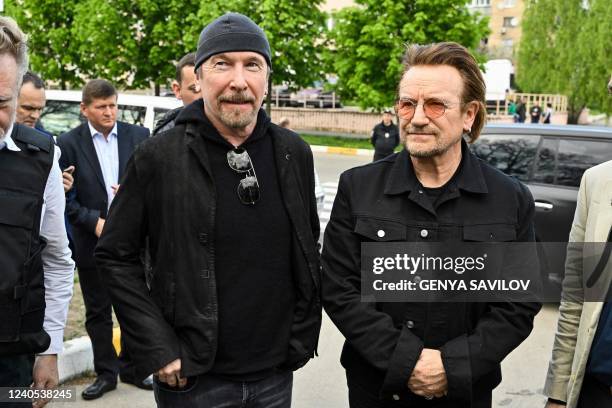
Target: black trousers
[[99, 326], [594, 394], [15, 371]]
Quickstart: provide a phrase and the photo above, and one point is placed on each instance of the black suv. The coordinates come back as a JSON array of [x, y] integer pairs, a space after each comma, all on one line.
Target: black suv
[[550, 160]]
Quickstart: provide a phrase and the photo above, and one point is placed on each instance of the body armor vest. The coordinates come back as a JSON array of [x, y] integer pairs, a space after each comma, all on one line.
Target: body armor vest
[[23, 177]]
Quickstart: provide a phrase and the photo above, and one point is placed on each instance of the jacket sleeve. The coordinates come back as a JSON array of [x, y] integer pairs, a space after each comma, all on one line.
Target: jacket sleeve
[[570, 309], [390, 349], [469, 358], [78, 215], [151, 339]]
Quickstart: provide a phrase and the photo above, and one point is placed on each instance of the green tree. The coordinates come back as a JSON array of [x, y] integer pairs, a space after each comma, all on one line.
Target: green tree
[[52, 48], [132, 42], [368, 41], [565, 49], [295, 29]]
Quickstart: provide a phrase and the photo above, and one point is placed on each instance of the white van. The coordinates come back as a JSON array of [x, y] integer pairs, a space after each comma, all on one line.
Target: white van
[[63, 113]]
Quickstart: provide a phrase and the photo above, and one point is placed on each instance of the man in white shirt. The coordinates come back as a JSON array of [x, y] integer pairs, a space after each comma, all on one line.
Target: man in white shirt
[[37, 269], [99, 150]]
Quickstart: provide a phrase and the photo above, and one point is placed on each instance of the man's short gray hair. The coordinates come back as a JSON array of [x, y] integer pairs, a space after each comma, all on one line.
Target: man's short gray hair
[[14, 42]]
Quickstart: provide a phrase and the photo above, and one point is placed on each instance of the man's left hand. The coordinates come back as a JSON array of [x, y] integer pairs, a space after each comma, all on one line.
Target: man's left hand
[[428, 379], [45, 376]]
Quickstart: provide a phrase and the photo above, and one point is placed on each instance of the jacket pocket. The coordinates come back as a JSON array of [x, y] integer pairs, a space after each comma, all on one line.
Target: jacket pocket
[[375, 229], [489, 233]]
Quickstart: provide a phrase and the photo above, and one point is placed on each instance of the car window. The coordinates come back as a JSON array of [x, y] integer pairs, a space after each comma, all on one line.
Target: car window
[[512, 154], [575, 156], [547, 161], [60, 116], [132, 114], [158, 114]]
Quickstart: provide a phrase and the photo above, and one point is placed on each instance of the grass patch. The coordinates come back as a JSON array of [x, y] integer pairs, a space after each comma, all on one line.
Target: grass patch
[[337, 141]]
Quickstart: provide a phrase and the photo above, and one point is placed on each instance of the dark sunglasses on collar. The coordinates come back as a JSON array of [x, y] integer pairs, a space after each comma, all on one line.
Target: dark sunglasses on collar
[[248, 189]]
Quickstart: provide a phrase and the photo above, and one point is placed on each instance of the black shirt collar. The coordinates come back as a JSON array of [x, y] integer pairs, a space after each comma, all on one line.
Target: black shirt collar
[[468, 177]]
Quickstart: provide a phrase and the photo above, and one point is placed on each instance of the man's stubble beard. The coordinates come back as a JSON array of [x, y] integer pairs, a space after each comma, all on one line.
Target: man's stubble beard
[[437, 150], [235, 118]]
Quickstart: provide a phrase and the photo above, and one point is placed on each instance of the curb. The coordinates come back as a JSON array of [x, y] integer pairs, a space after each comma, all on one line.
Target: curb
[[75, 359], [77, 356], [349, 151]]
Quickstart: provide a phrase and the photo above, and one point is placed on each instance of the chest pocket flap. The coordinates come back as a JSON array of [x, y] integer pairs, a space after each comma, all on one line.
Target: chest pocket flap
[[17, 210], [380, 230], [489, 232]]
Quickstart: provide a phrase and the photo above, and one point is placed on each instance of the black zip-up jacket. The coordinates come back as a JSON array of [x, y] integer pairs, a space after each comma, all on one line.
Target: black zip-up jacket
[[384, 202], [167, 196]]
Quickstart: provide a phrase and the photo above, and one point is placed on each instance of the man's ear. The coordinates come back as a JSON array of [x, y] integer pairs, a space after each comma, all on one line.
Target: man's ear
[[83, 109], [176, 89], [471, 110]]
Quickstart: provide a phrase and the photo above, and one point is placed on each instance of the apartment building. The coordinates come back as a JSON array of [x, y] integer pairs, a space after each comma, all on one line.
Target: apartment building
[[505, 18]]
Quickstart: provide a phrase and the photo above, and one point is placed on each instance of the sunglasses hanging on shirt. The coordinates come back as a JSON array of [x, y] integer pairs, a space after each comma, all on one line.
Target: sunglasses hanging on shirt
[[248, 189]]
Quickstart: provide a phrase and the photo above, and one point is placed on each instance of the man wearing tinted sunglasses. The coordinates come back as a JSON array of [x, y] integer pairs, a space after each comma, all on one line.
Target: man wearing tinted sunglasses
[[226, 202], [428, 354]]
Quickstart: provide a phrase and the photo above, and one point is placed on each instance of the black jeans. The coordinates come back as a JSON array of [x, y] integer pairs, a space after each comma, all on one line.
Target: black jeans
[[16, 371], [99, 326], [208, 391], [594, 393]]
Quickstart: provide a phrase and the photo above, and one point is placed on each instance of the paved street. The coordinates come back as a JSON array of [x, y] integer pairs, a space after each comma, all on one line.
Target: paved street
[[321, 384]]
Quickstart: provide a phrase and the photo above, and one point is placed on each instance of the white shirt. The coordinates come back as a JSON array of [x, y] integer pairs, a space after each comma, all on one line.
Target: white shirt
[[107, 151], [57, 262]]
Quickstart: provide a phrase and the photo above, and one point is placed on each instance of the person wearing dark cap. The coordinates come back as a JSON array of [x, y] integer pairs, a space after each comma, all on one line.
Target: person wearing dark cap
[[224, 203], [385, 136]]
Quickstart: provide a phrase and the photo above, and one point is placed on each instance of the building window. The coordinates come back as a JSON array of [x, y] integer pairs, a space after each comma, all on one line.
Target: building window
[[480, 3], [509, 3], [508, 43], [510, 22]]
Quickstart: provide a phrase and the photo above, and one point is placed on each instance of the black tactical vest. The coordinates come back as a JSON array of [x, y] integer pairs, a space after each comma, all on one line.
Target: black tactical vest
[[23, 177]]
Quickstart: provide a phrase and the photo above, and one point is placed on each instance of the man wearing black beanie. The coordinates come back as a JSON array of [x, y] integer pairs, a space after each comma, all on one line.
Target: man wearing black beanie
[[224, 203]]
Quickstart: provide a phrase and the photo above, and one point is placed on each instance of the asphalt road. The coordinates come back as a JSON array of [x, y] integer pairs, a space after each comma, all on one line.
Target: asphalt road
[[322, 384]]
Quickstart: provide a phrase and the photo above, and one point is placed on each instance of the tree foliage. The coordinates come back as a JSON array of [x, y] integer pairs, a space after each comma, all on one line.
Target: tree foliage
[[135, 43], [48, 24], [565, 49], [368, 42], [132, 42]]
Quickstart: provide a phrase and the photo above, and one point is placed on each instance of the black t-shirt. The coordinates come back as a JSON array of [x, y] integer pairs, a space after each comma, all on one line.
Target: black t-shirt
[[252, 263]]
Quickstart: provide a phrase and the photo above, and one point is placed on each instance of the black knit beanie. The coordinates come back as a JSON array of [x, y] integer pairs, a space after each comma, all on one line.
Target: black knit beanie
[[231, 32]]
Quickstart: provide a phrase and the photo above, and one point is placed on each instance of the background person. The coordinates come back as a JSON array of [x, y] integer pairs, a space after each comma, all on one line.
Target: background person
[[580, 369], [30, 104], [99, 149], [385, 136], [535, 112], [185, 87], [548, 113]]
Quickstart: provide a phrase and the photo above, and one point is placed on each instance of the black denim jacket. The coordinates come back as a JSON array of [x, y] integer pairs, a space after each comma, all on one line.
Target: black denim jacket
[[384, 340]]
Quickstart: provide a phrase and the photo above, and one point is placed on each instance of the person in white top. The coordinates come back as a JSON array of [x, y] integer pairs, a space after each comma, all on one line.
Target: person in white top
[[19, 148]]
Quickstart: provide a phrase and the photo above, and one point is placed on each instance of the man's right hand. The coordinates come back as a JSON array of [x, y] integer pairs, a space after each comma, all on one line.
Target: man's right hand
[[67, 178], [99, 227], [171, 374]]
